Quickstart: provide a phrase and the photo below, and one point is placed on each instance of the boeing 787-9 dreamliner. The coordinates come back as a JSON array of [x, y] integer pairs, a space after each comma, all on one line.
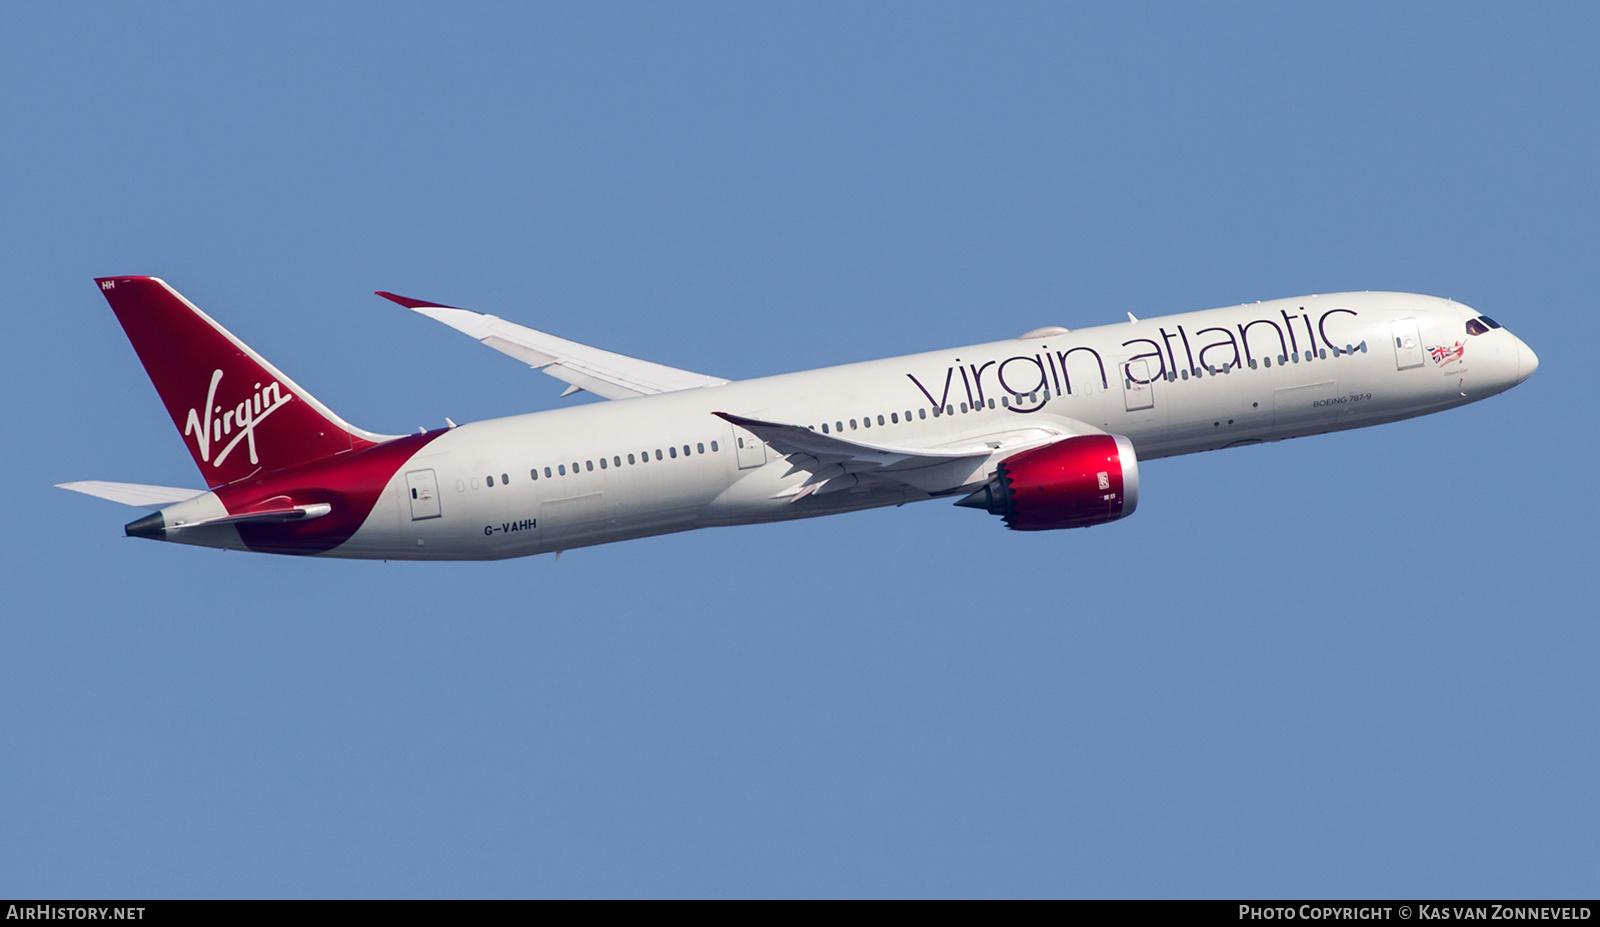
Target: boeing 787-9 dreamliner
[[1044, 430]]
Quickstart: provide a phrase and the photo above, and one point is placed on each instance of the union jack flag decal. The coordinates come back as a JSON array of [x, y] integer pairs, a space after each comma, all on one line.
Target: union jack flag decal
[[1443, 355]]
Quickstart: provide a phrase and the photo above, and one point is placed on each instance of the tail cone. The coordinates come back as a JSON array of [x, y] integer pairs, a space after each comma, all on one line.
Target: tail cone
[[153, 526]]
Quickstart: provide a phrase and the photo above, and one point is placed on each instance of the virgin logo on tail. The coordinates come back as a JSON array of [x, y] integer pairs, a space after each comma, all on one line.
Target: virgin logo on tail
[[239, 422]]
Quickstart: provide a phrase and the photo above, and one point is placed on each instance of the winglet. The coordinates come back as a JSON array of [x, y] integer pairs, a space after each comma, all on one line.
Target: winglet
[[410, 303]]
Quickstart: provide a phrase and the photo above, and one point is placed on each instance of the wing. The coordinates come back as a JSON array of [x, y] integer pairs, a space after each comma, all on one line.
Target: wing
[[149, 497], [837, 464], [604, 373]]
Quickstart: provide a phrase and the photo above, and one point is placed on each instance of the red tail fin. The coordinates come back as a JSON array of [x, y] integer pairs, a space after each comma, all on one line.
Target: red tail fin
[[237, 413]]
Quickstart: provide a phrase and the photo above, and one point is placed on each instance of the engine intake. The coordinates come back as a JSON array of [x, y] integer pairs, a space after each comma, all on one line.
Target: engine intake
[[1073, 483]]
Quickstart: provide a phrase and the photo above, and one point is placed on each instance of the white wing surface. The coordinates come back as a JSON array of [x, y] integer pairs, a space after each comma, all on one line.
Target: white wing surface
[[604, 373], [837, 464]]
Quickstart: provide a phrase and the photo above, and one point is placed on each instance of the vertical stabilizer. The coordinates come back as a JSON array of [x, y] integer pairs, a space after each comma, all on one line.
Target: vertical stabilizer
[[237, 413]]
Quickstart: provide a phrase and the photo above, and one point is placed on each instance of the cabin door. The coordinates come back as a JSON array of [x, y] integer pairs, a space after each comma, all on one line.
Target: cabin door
[[1407, 344], [423, 487], [752, 451], [1137, 390]]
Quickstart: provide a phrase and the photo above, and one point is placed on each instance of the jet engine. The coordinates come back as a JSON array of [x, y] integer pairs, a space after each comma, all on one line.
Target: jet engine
[[1073, 483]]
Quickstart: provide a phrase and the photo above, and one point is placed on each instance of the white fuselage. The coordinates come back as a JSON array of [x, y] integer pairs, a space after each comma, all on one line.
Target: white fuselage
[[1200, 381]]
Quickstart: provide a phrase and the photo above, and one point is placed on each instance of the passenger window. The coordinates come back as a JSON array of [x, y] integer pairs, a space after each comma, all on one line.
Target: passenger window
[[630, 460], [950, 410], [413, 493], [602, 463], [1252, 363], [588, 465], [1475, 327], [1309, 356], [824, 431], [1005, 401], [534, 473], [922, 413], [713, 447], [686, 450], [461, 486], [866, 421], [489, 481], [673, 452], [880, 420], [562, 469], [838, 426], [574, 468], [852, 424], [505, 480], [658, 453], [1322, 353], [894, 417], [700, 447], [616, 460], [546, 471]]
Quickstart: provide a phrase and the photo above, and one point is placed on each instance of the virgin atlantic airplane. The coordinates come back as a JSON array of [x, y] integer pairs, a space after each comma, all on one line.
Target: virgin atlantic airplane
[[1044, 430]]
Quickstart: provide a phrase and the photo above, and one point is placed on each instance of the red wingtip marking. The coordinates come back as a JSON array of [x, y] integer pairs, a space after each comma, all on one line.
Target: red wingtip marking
[[410, 303]]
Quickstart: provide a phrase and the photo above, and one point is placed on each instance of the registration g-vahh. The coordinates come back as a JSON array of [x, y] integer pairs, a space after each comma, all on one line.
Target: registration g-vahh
[[1044, 430]]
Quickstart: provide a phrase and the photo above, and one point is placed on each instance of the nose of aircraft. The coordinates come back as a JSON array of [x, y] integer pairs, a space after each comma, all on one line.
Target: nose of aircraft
[[1527, 361]]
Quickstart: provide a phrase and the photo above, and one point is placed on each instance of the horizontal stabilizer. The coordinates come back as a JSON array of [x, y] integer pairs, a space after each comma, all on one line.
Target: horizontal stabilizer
[[267, 516], [149, 497], [604, 373]]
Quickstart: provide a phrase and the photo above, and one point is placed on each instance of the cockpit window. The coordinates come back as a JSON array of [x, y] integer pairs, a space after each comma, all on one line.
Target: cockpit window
[[1488, 321], [1475, 327]]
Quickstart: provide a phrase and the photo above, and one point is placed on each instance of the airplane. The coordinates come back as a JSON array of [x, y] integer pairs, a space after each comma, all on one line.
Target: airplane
[[1045, 430]]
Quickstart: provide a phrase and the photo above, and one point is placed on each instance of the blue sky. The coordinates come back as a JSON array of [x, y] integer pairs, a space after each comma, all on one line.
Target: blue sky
[[1359, 664]]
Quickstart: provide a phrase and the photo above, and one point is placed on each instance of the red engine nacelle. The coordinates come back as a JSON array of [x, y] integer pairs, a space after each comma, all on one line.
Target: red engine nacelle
[[1073, 483]]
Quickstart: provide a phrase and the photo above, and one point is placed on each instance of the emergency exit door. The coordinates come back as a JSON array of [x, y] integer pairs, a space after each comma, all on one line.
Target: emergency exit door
[[423, 487]]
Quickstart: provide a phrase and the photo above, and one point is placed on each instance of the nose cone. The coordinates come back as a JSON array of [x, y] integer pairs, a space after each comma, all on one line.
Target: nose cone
[[1527, 361]]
